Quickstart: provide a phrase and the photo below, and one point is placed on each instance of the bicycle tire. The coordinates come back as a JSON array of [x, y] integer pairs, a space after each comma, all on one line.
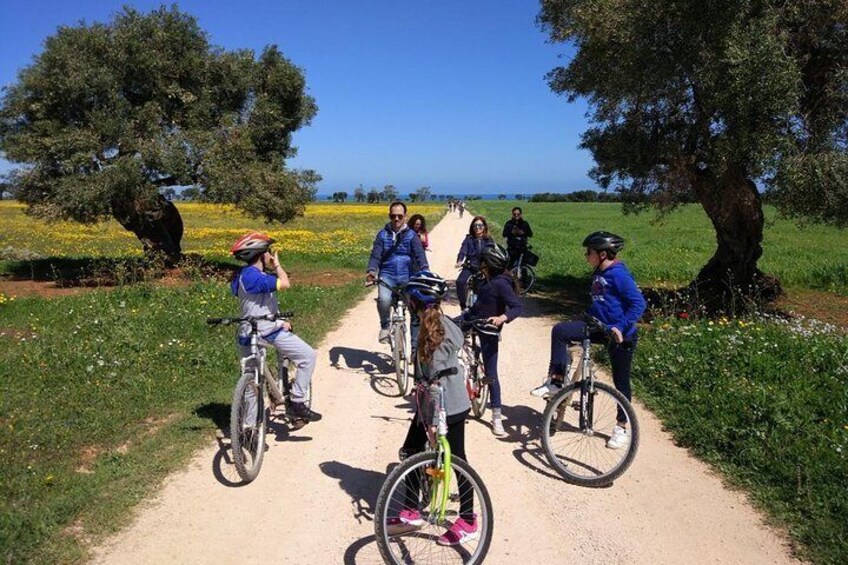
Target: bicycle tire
[[587, 450], [401, 357], [397, 547], [526, 277], [481, 390], [247, 440]]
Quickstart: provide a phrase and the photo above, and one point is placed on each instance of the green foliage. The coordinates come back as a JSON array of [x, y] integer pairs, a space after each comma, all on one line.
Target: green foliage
[[695, 94], [671, 251], [766, 400], [105, 392], [108, 114]]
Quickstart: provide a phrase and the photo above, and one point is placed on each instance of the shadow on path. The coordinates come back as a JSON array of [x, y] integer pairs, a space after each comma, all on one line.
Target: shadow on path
[[378, 366], [361, 485]]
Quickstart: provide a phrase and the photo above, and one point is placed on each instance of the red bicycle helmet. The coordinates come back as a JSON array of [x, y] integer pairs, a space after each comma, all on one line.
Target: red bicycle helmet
[[249, 246]]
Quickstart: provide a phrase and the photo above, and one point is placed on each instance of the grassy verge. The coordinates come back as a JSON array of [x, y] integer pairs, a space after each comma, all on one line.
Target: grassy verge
[[765, 401], [103, 393]]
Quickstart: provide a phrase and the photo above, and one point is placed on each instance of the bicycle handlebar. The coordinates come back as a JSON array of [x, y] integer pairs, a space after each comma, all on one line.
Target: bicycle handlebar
[[595, 325], [250, 319], [482, 325], [395, 289]]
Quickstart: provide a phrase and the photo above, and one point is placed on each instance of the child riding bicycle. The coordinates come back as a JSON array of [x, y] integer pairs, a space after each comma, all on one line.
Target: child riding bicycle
[[497, 301], [439, 343], [256, 290], [618, 304]]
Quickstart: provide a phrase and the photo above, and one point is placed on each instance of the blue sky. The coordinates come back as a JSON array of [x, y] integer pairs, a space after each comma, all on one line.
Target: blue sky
[[446, 94]]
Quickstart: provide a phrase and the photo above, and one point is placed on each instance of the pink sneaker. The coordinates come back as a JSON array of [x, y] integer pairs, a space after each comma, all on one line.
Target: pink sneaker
[[460, 532], [408, 517]]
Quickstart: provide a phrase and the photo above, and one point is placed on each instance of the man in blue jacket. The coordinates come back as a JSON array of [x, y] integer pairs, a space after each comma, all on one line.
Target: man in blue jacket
[[396, 255]]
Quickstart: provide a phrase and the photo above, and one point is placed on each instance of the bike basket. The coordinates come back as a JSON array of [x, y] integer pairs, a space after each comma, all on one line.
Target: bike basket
[[530, 258]]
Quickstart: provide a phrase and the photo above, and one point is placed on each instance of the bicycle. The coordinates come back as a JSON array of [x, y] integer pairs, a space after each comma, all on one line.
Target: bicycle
[[575, 432], [523, 271], [475, 374], [472, 283], [255, 390], [401, 348], [432, 487]]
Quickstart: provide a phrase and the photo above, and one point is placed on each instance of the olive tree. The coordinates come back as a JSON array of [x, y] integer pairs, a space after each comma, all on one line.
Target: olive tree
[[719, 100], [109, 115]]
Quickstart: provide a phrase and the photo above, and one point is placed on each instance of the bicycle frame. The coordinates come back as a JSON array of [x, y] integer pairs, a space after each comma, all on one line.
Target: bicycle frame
[[441, 475]]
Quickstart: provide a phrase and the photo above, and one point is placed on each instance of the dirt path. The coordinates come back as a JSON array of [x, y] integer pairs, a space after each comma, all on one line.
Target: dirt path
[[313, 501]]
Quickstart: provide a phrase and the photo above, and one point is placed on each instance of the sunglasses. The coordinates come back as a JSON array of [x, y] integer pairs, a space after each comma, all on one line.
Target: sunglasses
[[396, 216], [516, 215], [478, 225]]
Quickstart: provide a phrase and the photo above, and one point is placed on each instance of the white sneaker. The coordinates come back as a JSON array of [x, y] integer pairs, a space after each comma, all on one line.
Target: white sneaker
[[497, 427], [548, 388], [384, 336], [619, 438]]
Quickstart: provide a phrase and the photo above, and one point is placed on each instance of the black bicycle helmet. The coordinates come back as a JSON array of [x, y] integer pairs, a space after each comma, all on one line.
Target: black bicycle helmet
[[427, 287], [495, 256], [604, 241]]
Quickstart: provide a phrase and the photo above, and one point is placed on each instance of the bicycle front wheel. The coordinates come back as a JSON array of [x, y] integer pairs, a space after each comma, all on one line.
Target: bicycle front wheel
[[576, 446], [526, 277], [401, 357], [247, 426], [407, 520]]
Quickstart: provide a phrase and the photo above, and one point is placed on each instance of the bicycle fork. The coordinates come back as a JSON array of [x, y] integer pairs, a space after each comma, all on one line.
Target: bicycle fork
[[440, 475]]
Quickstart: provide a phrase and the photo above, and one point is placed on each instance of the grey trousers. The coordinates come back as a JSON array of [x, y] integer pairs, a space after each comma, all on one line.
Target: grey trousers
[[301, 354]]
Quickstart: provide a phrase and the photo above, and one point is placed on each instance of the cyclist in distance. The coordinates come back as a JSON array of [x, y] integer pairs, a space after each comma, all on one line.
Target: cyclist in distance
[[498, 302], [256, 290], [418, 224], [618, 304], [439, 343], [516, 231], [472, 246], [397, 253]]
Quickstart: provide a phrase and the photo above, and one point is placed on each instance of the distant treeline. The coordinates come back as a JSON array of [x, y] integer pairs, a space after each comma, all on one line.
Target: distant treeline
[[595, 196]]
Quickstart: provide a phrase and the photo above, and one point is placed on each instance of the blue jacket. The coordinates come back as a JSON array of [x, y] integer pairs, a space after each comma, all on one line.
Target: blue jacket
[[471, 249], [495, 297], [406, 260], [616, 300]]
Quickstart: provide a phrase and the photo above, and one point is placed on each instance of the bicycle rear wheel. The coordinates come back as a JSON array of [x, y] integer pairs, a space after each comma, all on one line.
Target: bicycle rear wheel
[[577, 450], [478, 390], [526, 277], [406, 526], [401, 357], [248, 426]]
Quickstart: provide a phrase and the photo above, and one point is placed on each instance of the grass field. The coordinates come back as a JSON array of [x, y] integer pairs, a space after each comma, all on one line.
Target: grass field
[[763, 399], [104, 392], [672, 252]]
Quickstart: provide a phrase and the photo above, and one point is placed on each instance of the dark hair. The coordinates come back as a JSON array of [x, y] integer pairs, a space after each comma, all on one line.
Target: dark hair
[[517, 208], [397, 203], [485, 226], [432, 332], [414, 218]]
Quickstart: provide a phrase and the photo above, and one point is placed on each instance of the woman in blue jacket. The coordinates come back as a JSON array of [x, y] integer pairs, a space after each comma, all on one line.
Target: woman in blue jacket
[[469, 255], [498, 302]]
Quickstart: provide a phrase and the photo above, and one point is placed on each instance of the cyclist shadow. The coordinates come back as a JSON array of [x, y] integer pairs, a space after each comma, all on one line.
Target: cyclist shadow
[[378, 366], [362, 485], [223, 467], [522, 427], [363, 551]]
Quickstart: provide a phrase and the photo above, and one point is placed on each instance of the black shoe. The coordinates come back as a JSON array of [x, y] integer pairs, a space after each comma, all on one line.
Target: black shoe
[[301, 411]]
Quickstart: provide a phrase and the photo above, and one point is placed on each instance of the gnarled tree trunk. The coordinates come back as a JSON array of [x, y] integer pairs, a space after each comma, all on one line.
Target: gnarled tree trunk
[[159, 228], [730, 281]]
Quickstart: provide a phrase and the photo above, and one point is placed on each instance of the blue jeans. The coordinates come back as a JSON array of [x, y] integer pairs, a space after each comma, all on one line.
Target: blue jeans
[[384, 308], [489, 352], [621, 355]]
